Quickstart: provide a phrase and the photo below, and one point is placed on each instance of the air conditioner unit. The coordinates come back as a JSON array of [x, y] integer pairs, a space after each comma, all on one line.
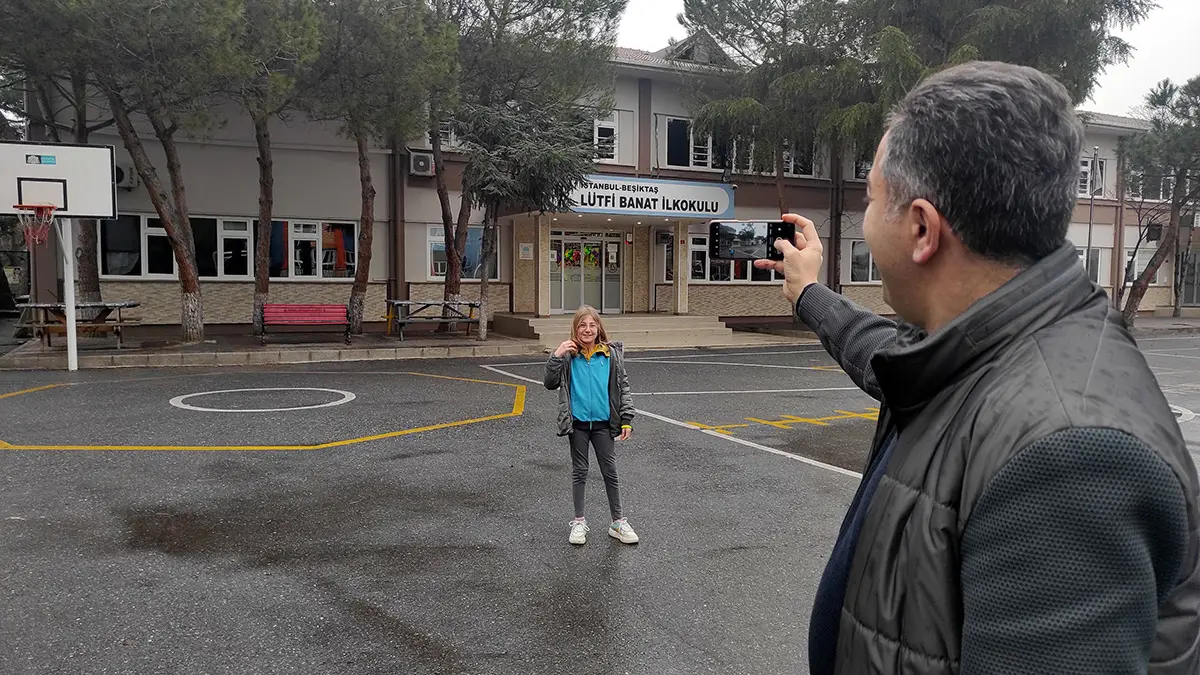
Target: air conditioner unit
[[127, 177], [420, 163]]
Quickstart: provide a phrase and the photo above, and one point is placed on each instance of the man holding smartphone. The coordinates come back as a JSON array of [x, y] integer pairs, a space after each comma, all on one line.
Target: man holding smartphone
[[1029, 505]]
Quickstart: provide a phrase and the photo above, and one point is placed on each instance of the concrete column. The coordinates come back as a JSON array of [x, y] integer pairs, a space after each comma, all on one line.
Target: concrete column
[[543, 265], [683, 267]]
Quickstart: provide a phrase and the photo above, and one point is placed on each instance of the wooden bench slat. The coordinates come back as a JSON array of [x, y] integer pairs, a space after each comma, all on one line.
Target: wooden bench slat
[[276, 314]]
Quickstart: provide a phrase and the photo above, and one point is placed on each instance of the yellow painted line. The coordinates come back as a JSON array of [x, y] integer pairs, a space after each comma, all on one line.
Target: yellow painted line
[[723, 429], [30, 391], [518, 408]]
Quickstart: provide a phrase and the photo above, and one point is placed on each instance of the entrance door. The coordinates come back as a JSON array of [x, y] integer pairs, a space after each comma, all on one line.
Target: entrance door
[[1190, 288], [588, 272]]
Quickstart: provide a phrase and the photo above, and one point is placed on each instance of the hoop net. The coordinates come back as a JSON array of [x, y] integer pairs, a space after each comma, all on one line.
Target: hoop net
[[35, 220]]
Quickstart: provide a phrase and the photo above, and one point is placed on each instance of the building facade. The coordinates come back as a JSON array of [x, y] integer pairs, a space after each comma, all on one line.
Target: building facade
[[637, 242]]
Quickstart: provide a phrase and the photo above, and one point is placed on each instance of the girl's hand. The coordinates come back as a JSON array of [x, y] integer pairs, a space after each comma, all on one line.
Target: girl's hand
[[625, 434], [567, 347]]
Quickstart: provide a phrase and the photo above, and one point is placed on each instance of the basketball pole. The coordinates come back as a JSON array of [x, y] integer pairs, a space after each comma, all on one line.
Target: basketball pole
[[67, 244]]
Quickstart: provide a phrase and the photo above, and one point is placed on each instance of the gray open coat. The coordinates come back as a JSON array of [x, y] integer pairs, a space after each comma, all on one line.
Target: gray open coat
[[620, 401], [1039, 510]]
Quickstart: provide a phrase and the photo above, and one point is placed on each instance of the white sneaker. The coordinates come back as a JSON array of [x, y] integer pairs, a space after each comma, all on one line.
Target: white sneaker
[[621, 529], [579, 530]]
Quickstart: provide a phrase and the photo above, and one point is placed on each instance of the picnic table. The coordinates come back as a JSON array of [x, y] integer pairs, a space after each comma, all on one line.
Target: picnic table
[[51, 317], [403, 312]]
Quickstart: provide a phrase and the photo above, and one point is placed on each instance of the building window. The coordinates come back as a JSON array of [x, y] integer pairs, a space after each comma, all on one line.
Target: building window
[[472, 262], [313, 250], [862, 264], [743, 160], [1097, 270], [237, 255], [705, 269], [1152, 188], [1091, 185], [160, 258], [801, 161], [684, 150], [1143, 256], [137, 246], [446, 133], [121, 246], [604, 137]]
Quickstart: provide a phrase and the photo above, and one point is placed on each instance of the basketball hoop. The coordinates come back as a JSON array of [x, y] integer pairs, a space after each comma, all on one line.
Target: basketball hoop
[[35, 220]]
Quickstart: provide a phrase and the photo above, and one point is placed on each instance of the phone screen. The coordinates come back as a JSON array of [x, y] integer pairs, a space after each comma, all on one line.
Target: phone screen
[[741, 240]]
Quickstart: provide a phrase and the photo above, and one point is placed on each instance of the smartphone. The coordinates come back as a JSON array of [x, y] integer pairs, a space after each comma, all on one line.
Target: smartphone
[[747, 239]]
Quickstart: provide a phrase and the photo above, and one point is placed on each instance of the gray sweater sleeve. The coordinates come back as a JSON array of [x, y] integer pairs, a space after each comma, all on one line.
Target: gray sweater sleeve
[[851, 334], [1067, 554]]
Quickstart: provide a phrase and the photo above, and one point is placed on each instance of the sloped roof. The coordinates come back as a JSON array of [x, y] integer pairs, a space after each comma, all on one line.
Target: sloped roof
[[664, 59], [1114, 121]]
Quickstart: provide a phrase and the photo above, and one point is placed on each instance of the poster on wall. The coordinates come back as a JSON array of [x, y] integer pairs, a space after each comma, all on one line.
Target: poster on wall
[[526, 251], [612, 254], [624, 195]]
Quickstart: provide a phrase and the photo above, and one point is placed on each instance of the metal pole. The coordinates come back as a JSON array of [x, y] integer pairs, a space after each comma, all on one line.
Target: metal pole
[[1087, 260], [67, 242]]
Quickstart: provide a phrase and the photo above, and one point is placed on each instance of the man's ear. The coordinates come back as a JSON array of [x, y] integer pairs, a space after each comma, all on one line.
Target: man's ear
[[926, 230]]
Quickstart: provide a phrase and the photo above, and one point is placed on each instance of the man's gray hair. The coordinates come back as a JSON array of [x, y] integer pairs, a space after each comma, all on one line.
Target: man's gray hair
[[996, 149]]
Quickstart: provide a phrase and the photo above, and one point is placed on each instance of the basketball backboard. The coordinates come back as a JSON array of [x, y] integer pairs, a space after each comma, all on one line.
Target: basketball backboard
[[77, 179]]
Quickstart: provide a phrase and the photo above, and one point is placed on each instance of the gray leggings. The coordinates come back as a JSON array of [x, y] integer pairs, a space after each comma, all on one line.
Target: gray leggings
[[600, 438]]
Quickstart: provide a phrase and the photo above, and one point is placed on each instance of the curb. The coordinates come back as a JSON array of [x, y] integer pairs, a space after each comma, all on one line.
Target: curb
[[261, 358]]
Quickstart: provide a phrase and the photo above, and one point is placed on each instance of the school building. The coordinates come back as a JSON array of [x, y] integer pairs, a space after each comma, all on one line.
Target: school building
[[636, 243]]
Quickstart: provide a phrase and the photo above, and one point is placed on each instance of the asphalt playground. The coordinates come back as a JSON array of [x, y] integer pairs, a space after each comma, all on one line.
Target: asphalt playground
[[411, 517]]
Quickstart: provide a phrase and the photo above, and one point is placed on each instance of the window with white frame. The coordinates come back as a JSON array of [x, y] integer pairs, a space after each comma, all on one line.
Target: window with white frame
[[862, 167], [1090, 185], [706, 269], [862, 264], [604, 137], [472, 256], [1155, 186], [138, 246], [446, 133], [1143, 256], [800, 160], [744, 161], [684, 150], [1097, 270], [313, 250]]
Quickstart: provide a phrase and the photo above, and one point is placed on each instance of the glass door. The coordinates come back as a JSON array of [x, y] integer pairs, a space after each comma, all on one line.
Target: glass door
[[556, 275], [593, 274], [1191, 279], [612, 277], [572, 276]]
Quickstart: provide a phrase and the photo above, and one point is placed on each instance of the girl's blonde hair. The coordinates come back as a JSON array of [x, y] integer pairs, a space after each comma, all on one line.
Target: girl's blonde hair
[[581, 314]]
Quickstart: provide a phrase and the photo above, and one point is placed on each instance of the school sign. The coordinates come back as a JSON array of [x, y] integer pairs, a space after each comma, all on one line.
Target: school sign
[[626, 196]]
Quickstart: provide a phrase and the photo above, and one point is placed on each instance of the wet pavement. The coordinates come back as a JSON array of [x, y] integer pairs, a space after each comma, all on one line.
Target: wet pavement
[[411, 517]]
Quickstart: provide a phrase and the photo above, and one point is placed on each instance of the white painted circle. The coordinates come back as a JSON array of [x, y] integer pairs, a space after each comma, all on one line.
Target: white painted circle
[[1182, 414], [178, 401]]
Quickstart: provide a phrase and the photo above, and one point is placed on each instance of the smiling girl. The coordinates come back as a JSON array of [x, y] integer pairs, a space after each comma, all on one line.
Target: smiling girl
[[594, 408]]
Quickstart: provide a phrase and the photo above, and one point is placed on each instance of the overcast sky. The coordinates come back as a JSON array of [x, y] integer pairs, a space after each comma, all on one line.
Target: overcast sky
[[1165, 45]]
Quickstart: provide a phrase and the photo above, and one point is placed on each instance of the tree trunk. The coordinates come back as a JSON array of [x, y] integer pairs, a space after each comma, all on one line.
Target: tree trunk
[[453, 257], [489, 245], [1181, 256], [191, 310], [182, 241], [366, 225], [836, 204], [262, 230], [87, 287], [1138, 290], [779, 170]]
